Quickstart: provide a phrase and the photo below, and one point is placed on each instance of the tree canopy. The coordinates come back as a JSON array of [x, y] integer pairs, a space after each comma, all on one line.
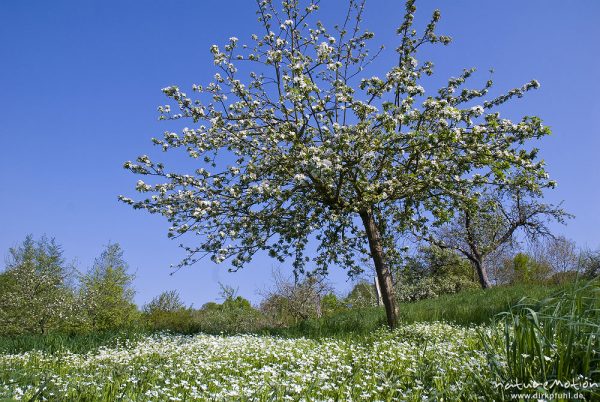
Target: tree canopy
[[297, 142]]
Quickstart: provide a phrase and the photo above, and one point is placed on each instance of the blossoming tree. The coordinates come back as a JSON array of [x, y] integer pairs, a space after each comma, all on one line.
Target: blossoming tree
[[295, 145]]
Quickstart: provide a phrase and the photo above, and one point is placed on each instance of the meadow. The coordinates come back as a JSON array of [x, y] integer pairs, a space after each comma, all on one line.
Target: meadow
[[553, 337]]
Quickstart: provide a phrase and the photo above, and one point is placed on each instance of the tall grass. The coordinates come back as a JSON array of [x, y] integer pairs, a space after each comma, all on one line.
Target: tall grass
[[554, 339], [56, 342], [465, 308]]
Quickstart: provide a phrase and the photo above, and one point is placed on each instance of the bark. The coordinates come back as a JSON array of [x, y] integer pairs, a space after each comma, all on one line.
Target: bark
[[384, 275], [482, 274]]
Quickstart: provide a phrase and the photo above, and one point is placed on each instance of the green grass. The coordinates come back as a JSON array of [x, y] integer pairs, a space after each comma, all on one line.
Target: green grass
[[536, 333], [55, 342], [473, 306], [465, 308], [554, 339]]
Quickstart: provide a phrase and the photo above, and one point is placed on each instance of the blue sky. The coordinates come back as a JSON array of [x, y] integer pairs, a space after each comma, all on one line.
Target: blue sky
[[80, 83]]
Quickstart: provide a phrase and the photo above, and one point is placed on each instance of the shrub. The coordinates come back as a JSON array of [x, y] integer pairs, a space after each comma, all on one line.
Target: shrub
[[166, 312], [433, 272], [234, 315]]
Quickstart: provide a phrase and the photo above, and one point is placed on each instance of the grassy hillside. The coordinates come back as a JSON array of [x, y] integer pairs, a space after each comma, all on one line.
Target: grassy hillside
[[464, 308]]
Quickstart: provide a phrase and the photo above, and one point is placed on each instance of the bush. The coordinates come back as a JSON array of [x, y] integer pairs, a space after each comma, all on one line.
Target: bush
[[432, 287], [433, 272], [590, 264], [234, 315], [166, 312]]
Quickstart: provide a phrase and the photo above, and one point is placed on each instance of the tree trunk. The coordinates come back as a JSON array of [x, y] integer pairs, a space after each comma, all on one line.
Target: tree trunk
[[377, 292], [384, 275], [482, 274]]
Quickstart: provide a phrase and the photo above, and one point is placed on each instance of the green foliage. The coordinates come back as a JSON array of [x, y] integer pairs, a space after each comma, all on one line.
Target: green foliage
[[234, 315], [106, 292], [362, 295], [526, 269], [56, 342], [469, 307], [331, 304], [348, 323], [167, 312], [433, 272], [476, 306], [36, 292], [557, 338]]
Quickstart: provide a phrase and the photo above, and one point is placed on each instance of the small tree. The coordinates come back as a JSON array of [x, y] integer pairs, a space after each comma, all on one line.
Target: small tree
[[361, 295], [106, 291], [168, 302], [295, 300], [168, 312], [310, 146], [483, 230], [36, 292], [526, 269]]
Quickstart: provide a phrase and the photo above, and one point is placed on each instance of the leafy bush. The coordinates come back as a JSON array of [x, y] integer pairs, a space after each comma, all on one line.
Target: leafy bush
[[234, 315], [433, 272], [166, 312]]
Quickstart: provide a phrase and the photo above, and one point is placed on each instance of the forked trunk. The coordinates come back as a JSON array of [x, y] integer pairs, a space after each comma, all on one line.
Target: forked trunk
[[384, 275]]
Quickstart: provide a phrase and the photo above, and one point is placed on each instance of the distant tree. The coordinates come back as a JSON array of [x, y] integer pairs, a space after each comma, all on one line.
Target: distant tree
[[234, 315], [331, 304], [106, 291], [168, 312], [482, 230], [312, 146], [561, 254], [362, 295], [589, 262], [169, 301], [526, 269], [291, 301], [433, 271], [36, 291]]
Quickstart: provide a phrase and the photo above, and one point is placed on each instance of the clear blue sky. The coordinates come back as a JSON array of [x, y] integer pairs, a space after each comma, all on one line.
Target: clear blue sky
[[80, 82]]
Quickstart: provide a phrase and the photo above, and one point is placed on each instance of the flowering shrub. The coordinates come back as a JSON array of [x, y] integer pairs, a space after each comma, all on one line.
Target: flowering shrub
[[432, 287], [415, 362]]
